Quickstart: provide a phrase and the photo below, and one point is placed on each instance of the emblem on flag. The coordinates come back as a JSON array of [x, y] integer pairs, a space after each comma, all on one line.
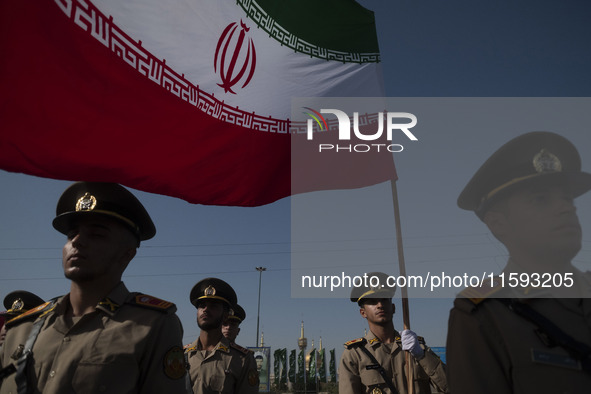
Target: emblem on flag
[[230, 59]]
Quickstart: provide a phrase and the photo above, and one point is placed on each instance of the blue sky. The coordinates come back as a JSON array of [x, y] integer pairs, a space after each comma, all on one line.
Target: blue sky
[[429, 49]]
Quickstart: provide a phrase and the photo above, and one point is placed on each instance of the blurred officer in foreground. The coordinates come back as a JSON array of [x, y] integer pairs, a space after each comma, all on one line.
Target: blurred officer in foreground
[[216, 364], [377, 363], [231, 326], [17, 303], [99, 337], [528, 335]]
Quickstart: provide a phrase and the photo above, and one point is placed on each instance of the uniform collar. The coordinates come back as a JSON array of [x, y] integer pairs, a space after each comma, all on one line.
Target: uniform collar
[[374, 341], [113, 301], [222, 346]]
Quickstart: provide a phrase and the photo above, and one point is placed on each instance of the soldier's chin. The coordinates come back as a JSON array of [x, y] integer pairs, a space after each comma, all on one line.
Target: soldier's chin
[[78, 276], [210, 325]]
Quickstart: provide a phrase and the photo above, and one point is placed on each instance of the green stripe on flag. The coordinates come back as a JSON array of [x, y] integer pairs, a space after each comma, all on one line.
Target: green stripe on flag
[[340, 30]]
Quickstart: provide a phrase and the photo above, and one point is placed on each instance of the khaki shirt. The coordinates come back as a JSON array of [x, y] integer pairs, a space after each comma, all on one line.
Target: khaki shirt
[[229, 368], [355, 378], [130, 344], [491, 349]]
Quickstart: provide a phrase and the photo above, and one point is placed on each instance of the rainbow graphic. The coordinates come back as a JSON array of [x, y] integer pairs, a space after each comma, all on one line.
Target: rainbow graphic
[[317, 117]]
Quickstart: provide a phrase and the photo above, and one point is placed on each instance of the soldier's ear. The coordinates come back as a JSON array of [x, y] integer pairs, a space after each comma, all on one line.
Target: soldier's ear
[[362, 312]]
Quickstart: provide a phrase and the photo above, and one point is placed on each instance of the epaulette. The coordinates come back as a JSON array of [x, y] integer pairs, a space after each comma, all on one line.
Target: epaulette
[[239, 348], [154, 303], [355, 343], [32, 313], [478, 294]]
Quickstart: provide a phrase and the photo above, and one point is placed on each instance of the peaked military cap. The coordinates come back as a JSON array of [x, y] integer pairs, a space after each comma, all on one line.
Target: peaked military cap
[[382, 290], [213, 289], [538, 156], [20, 301], [107, 199], [238, 313]]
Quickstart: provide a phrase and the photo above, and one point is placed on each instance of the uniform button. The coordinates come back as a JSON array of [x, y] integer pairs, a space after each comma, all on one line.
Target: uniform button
[[67, 339], [52, 374]]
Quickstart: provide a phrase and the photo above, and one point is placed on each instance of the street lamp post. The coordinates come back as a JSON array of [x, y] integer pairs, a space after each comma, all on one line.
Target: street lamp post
[[260, 269]]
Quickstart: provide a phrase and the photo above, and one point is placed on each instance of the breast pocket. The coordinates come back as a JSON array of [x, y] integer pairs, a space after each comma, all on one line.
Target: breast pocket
[[370, 377], [112, 378], [222, 384]]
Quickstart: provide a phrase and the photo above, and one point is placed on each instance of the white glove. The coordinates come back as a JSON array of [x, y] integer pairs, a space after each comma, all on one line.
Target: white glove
[[410, 342]]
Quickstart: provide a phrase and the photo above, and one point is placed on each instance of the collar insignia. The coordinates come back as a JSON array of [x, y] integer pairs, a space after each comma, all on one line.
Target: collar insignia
[[107, 302]]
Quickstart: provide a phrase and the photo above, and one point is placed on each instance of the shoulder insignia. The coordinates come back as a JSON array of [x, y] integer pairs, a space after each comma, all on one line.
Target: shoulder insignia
[[189, 348], [150, 302], [40, 310], [240, 348], [478, 294], [253, 377], [223, 348], [355, 342], [398, 339], [174, 363]]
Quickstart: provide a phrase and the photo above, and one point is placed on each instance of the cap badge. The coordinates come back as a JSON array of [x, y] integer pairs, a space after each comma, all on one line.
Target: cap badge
[[545, 161], [86, 203], [209, 291], [17, 305], [376, 390]]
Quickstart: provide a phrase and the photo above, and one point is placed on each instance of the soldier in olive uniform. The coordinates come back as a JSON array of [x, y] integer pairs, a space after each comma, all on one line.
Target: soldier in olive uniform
[[99, 337], [377, 363], [216, 364], [530, 338], [231, 326], [17, 303]]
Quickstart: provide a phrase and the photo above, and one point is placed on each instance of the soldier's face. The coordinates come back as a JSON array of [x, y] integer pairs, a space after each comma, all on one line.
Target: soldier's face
[[230, 329], [377, 310], [539, 222], [97, 247], [210, 314]]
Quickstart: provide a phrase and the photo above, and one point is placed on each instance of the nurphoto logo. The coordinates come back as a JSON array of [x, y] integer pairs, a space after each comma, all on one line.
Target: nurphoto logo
[[392, 123]]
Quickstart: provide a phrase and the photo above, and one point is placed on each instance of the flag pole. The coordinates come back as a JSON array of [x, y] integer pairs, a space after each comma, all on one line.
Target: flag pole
[[402, 270]]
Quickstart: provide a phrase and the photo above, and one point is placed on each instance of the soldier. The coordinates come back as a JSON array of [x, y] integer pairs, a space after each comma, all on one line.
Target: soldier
[[231, 326], [16, 303], [526, 335], [215, 364], [99, 337], [376, 363]]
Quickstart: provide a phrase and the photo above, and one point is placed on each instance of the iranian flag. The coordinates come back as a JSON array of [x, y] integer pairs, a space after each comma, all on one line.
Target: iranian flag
[[184, 98]]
